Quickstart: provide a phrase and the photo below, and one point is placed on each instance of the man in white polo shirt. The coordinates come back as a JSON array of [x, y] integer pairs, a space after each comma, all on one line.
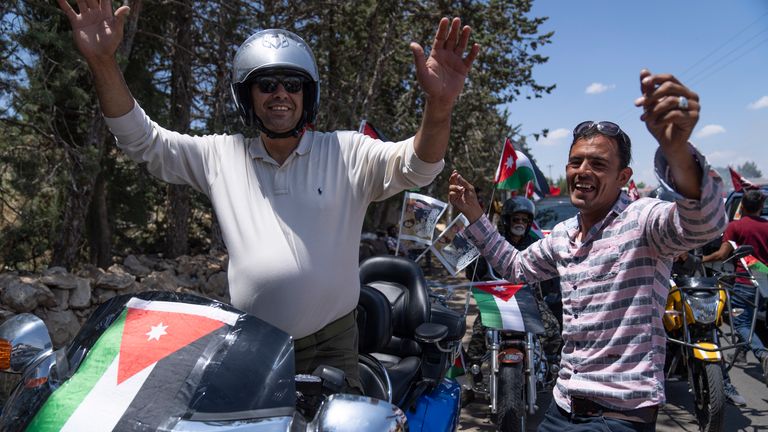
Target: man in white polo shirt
[[290, 201]]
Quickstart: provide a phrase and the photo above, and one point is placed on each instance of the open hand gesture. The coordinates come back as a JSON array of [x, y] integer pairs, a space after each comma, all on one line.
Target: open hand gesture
[[442, 75], [670, 109], [96, 30]]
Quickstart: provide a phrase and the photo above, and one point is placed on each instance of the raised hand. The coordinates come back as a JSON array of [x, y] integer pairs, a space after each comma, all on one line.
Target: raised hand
[[670, 110], [462, 196], [442, 75], [96, 29]]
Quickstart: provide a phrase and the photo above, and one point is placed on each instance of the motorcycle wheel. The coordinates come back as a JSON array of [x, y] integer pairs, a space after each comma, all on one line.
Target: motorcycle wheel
[[511, 396], [709, 396]]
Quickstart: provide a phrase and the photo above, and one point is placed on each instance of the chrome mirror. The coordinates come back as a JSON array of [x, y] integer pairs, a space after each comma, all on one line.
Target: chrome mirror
[[345, 412], [24, 339]]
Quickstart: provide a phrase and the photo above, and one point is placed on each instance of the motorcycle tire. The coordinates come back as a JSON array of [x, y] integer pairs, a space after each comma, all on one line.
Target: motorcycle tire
[[511, 395], [709, 396]]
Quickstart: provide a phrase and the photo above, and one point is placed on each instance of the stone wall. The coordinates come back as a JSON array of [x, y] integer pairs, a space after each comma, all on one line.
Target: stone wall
[[65, 300]]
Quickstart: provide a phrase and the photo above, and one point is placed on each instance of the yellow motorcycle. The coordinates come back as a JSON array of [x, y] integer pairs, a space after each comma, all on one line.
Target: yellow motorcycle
[[695, 339]]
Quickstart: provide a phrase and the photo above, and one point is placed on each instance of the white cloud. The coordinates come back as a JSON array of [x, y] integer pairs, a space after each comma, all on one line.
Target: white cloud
[[709, 130], [597, 88], [555, 137], [760, 103], [719, 158]]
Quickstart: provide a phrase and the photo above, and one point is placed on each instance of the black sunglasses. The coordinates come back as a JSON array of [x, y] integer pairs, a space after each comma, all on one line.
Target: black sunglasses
[[604, 127], [291, 84]]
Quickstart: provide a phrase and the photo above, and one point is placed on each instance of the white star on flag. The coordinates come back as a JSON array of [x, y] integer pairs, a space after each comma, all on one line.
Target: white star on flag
[[510, 162], [499, 289], [156, 332]]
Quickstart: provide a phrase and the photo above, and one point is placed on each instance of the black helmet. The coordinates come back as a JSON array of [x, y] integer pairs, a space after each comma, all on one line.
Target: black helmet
[[274, 51], [518, 204]]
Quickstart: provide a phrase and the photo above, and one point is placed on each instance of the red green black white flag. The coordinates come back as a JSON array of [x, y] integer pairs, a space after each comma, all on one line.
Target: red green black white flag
[[139, 370]]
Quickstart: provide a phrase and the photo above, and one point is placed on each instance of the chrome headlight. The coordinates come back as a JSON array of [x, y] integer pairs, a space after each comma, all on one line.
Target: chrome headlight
[[704, 308]]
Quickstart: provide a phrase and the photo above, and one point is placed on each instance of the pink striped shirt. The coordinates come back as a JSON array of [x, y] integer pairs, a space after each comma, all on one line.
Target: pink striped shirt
[[614, 286]]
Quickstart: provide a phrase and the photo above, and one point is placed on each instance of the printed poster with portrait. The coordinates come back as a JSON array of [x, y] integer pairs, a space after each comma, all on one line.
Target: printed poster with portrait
[[419, 216], [452, 247]]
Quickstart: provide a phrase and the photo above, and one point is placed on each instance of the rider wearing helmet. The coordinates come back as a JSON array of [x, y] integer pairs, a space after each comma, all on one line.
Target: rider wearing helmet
[[290, 201], [265, 59], [517, 215]]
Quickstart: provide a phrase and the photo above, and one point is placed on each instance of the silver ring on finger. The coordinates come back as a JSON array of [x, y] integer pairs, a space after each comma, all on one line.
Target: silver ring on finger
[[682, 103]]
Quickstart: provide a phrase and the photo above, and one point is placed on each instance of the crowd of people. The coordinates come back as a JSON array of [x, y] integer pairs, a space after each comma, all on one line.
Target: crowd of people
[[283, 192]]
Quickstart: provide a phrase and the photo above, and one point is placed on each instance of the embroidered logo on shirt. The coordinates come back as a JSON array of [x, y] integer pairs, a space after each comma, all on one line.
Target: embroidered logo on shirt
[[319, 191]]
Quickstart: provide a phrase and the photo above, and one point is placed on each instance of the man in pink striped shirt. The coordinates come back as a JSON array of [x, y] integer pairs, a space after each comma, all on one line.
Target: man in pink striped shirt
[[614, 260]]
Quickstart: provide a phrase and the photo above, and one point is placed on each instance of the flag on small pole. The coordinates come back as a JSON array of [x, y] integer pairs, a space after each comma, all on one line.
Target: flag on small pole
[[366, 128], [529, 190], [739, 182], [508, 306], [514, 170]]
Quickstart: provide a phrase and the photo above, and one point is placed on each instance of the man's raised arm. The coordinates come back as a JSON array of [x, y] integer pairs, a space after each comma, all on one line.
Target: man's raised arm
[[98, 32], [442, 77]]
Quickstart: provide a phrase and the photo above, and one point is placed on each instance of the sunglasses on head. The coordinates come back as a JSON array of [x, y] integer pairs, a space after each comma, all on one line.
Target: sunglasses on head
[[610, 129], [291, 83]]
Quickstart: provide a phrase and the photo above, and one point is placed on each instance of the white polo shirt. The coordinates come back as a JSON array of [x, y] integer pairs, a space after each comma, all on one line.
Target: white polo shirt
[[292, 231]]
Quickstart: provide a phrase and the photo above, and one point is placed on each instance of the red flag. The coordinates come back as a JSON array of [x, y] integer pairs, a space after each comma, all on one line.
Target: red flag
[[151, 335], [529, 190], [367, 129], [501, 289], [634, 194], [739, 182], [507, 163]]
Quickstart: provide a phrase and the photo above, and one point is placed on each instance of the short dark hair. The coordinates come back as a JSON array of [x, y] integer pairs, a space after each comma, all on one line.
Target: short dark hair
[[624, 145], [752, 201]]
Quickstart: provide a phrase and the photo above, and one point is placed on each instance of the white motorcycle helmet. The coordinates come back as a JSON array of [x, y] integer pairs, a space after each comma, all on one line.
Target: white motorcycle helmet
[[270, 51]]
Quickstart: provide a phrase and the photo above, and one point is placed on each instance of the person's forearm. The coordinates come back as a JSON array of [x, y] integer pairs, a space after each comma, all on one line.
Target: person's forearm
[[719, 255], [685, 171], [431, 141], [114, 96]]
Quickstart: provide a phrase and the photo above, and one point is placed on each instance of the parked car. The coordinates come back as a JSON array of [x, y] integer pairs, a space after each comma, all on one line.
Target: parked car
[[734, 199], [550, 211]]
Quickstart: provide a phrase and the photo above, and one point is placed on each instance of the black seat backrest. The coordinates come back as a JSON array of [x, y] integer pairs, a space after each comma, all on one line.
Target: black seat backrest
[[403, 284], [374, 320]]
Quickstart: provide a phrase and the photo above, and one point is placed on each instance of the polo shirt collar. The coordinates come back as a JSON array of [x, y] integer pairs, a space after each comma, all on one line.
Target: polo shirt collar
[[257, 150]]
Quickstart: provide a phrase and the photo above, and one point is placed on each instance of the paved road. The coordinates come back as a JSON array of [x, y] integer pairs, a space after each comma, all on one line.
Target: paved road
[[677, 415]]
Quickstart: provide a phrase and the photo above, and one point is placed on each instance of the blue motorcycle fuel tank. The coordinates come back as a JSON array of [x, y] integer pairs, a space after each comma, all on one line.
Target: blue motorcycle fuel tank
[[437, 411]]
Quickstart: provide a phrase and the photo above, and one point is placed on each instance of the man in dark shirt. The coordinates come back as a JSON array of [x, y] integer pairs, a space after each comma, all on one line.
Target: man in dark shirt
[[751, 230]]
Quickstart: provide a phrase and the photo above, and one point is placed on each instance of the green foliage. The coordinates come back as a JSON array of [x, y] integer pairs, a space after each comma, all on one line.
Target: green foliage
[[50, 155], [749, 169]]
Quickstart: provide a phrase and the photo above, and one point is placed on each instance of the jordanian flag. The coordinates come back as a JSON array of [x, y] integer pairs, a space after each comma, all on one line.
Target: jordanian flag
[[507, 306], [515, 169], [755, 264], [142, 371], [458, 367]]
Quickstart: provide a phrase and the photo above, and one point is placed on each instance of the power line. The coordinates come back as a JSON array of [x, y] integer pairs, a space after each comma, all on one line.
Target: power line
[[726, 55], [723, 44], [731, 62]]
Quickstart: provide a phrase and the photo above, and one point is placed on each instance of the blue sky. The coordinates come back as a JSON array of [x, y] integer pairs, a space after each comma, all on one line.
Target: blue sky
[[719, 49]]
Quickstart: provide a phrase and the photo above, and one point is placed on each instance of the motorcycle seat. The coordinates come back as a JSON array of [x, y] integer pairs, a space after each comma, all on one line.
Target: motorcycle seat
[[401, 282]]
